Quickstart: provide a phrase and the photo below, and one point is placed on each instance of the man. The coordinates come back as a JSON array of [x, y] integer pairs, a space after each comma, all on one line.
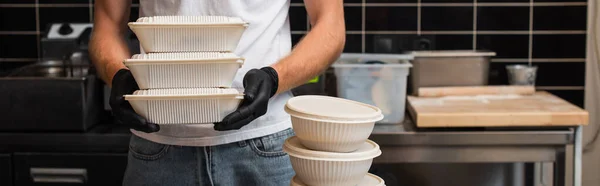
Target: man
[[246, 147]]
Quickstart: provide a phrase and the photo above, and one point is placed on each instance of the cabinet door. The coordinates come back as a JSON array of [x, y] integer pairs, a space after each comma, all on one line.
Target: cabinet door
[[5, 170], [65, 169]]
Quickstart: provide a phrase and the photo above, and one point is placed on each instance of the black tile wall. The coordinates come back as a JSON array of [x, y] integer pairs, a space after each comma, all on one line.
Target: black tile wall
[[452, 42], [353, 17], [505, 46], [298, 14], [559, 46], [503, 18], [569, 18], [17, 1], [548, 74], [25, 21], [296, 38], [50, 15], [353, 43], [447, 18], [551, 37], [391, 18], [574, 96]]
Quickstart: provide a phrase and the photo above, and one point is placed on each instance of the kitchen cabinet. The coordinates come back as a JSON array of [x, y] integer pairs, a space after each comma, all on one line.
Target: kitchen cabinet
[[50, 169], [5, 170]]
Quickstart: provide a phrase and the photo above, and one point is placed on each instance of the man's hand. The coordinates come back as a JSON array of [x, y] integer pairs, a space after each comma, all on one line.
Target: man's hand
[[259, 85], [123, 83]]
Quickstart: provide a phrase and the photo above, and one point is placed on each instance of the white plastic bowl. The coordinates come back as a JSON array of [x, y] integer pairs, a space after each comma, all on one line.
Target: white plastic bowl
[[332, 124], [368, 180], [184, 106], [184, 70], [317, 168], [188, 33]]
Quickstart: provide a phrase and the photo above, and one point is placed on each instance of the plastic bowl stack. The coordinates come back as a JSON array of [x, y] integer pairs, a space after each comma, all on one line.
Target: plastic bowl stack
[[186, 75], [331, 146]]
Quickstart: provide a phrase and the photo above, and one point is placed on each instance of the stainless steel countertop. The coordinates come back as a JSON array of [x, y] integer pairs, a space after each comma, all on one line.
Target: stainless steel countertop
[[407, 134]]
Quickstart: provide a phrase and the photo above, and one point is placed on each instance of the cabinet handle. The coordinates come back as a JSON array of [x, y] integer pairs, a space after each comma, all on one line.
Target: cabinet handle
[[58, 175]]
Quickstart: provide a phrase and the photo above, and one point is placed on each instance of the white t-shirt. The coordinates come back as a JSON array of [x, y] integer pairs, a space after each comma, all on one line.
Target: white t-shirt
[[266, 40]]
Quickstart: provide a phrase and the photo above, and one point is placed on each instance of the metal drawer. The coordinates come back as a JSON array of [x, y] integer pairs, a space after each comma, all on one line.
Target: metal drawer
[[68, 169], [5, 170]]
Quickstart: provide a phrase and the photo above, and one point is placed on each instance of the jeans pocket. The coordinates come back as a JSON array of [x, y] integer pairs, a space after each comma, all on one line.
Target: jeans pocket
[[271, 145], [144, 149]]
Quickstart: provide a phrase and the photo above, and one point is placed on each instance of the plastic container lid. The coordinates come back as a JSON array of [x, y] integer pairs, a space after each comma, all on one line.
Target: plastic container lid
[[190, 20], [367, 150], [452, 53], [332, 108], [368, 180], [184, 93]]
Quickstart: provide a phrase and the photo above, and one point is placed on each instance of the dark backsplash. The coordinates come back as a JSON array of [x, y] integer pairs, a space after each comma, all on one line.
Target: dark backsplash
[[550, 34]]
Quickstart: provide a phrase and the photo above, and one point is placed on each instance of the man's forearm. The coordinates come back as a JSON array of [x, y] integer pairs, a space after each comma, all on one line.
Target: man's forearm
[[107, 46], [313, 55], [108, 52]]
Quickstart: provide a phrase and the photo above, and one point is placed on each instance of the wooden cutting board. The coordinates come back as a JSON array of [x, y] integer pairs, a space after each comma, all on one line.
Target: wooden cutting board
[[501, 110]]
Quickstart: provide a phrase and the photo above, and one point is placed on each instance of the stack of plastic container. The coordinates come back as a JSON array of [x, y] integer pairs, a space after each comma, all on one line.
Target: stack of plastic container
[[186, 75], [331, 146]]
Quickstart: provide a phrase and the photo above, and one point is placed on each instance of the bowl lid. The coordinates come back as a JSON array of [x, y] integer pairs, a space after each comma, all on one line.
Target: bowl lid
[[368, 180], [332, 108], [368, 150]]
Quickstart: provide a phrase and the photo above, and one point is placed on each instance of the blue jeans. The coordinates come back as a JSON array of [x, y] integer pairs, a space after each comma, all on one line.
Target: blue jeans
[[259, 161]]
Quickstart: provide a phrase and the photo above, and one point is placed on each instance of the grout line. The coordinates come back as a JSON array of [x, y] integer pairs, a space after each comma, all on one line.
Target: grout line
[[419, 18], [392, 4], [19, 32], [463, 32], [308, 26], [18, 59], [5, 5], [299, 32], [448, 32], [530, 47], [578, 60], [135, 5], [37, 30], [91, 11], [560, 87], [63, 5], [363, 26], [500, 4], [559, 3], [538, 60], [353, 4], [447, 4], [474, 24], [391, 32], [536, 32]]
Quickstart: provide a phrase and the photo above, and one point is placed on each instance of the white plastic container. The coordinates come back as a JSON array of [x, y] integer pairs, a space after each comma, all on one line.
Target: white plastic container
[[375, 79], [184, 70], [368, 180], [188, 33], [331, 124], [317, 168], [184, 106]]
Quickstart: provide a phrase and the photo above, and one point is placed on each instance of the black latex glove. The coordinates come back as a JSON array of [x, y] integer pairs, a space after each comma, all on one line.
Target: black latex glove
[[123, 83], [259, 85]]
